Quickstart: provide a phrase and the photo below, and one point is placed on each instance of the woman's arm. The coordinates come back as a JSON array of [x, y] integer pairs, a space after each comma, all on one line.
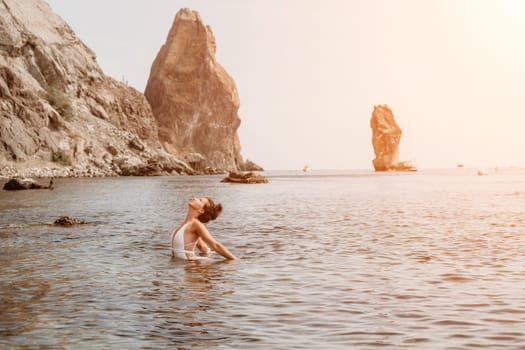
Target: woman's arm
[[203, 233], [203, 247]]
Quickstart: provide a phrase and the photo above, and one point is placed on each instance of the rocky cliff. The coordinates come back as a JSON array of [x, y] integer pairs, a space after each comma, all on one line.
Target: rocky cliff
[[193, 98], [386, 135], [61, 116]]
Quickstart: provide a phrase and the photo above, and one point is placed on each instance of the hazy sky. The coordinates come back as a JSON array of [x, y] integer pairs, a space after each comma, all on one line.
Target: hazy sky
[[309, 73]]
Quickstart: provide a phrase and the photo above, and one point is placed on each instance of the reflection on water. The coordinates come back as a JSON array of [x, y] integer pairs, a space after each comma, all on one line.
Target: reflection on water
[[187, 315], [329, 260]]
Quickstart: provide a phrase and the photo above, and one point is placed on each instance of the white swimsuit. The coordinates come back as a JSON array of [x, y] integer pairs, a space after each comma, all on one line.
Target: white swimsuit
[[179, 247]]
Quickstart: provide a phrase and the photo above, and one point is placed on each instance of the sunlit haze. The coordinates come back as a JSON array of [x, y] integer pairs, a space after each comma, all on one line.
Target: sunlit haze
[[309, 73]]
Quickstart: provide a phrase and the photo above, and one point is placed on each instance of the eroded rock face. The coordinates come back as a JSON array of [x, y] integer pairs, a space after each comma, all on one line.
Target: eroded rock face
[[386, 135], [59, 111], [193, 98]]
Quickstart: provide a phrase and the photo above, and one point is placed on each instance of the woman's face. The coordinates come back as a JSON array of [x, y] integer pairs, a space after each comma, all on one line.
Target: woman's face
[[198, 203]]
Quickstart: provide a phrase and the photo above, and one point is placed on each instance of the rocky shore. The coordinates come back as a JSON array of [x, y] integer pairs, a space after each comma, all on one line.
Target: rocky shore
[[56, 171], [8, 172], [39, 169], [49, 171]]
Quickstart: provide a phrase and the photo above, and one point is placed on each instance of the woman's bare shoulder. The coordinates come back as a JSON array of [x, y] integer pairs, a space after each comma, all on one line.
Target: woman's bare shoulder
[[196, 225]]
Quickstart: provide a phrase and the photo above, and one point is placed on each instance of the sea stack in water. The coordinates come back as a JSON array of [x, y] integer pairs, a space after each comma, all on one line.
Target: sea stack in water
[[386, 135], [193, 99]]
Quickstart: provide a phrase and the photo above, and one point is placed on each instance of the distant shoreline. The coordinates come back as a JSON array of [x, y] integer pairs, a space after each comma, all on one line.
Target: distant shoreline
[[47, 171]]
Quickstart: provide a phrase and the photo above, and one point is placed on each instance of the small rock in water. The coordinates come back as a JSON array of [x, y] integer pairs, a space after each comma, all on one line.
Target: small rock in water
[[16, 184], [69, 221]]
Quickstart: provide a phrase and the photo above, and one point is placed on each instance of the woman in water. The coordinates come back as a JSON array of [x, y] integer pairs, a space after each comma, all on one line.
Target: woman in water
[[193, 233]]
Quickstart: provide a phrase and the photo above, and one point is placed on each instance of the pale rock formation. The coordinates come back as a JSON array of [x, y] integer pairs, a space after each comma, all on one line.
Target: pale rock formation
[[386, 135], [193, 98], [59, 114]]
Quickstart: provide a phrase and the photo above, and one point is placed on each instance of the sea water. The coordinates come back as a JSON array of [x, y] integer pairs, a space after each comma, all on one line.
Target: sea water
[[331, 260]]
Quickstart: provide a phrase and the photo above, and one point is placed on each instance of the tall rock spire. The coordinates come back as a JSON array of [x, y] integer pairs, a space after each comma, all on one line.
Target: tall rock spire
[[193, 99], [386, 135]]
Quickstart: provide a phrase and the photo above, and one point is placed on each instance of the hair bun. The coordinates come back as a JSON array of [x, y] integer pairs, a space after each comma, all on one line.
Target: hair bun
[[217, 210], [211, 211]]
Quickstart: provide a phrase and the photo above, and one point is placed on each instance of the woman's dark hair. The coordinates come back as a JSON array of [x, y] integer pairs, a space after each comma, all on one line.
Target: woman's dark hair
[[211, 211]]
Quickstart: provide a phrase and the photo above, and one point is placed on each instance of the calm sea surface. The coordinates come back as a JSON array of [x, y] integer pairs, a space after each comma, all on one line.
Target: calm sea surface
[[330, 260]]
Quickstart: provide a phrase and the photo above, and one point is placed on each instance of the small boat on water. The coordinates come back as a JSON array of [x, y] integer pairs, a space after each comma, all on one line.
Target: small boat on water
[[482, 172], [306, 168]]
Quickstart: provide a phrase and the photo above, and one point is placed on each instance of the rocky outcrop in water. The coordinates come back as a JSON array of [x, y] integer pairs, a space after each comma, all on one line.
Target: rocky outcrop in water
[[60, 115], [69, 221], [386, 135], [193, 98], [244, 178], [17, 184]]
